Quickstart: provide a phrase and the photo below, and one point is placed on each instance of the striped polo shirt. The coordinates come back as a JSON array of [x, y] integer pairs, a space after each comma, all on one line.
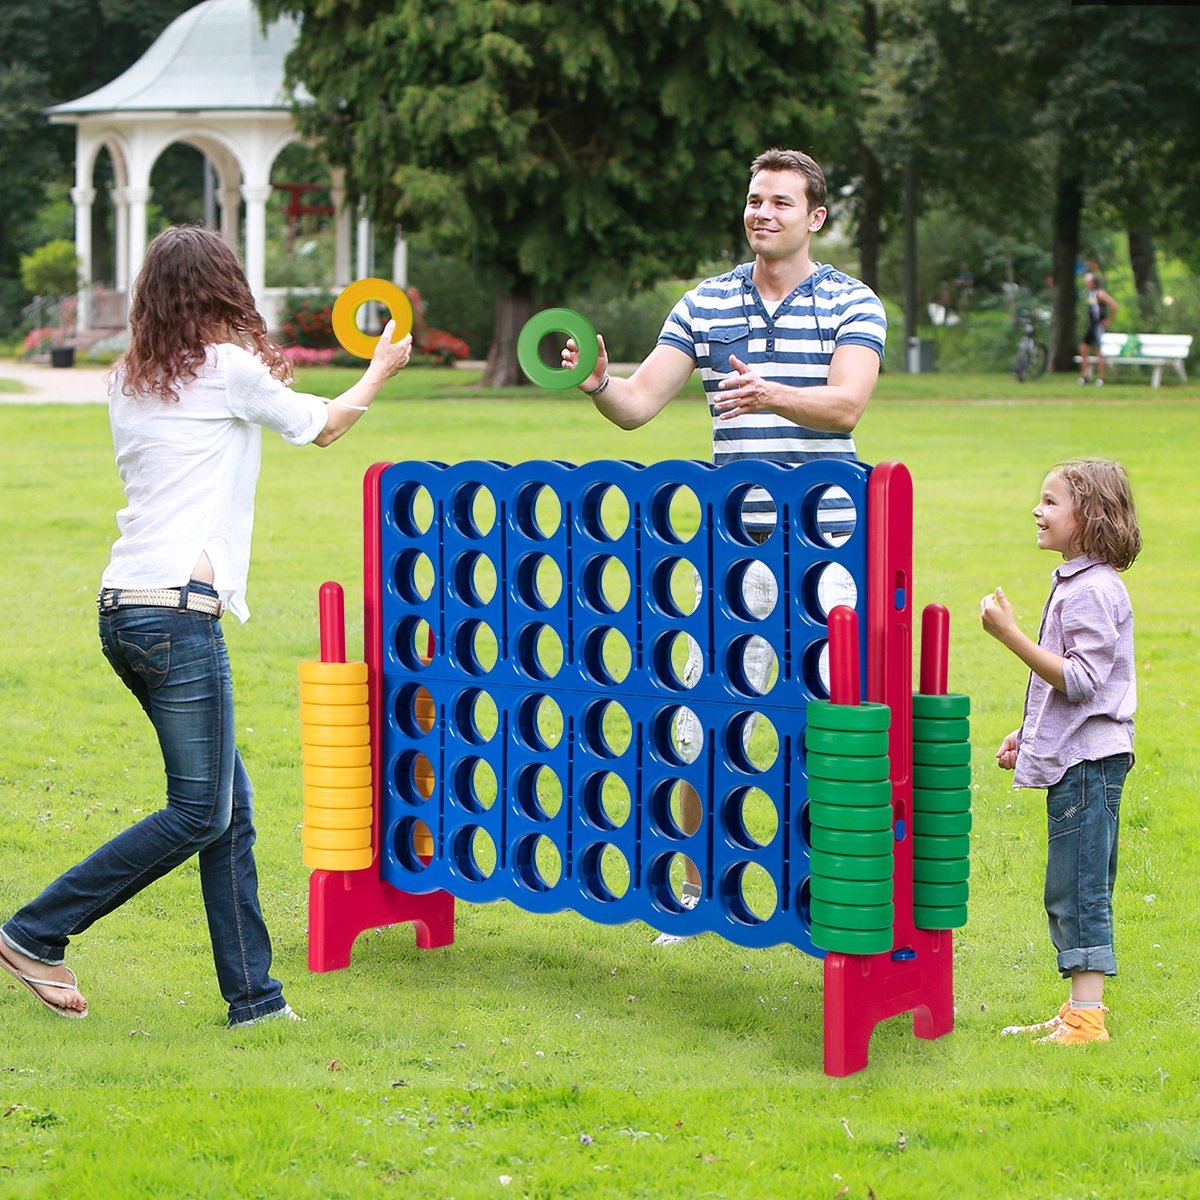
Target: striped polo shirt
[[792, 344]]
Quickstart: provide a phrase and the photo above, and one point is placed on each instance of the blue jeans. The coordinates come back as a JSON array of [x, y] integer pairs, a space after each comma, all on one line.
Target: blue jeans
[[1083, 812], [177, 666]]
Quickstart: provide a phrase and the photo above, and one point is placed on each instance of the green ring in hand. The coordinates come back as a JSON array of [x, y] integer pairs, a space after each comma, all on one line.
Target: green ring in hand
[[557, 320]]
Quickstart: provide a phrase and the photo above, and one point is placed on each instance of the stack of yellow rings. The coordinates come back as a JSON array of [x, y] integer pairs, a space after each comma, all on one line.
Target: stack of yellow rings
[[336, 757]]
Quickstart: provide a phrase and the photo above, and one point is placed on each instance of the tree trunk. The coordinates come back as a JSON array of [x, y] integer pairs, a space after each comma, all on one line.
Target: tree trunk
[[871, 190], [513, 310], [1068, 204], [1145, 270]]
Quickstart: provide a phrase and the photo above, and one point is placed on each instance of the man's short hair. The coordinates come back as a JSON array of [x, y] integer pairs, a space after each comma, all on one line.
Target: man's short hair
[[776, 159]]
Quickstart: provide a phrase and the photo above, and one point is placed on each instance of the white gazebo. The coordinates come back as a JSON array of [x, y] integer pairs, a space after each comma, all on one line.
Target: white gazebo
[[214, 79]]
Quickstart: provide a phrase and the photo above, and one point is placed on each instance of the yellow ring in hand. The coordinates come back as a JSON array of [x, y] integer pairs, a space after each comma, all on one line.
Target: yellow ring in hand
[[346, 306]]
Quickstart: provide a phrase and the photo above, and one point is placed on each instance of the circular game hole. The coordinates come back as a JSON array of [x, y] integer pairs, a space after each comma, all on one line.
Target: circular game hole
[[751, 818], [675, 808], [604, 512], [415, 710], [675, 586], [606, 800], [607, 729], [666, 877], [538, 581], [412, 843], [539, 792], [473, 510], [672, 654], [539, 651], [604, 872], [539, 722], [413, 576], [814, 668], [676, 735], [752, 665], [674, 513], [824, 586], [828, 515], [474, 645], [606, 655], [473, 781], [414, 777], [750, 515], [476, 716], [412, 509], [605, 583], [750, 893], [474, 576], [473, 853], [414, 643], [537, 862], [537, 511], [751, 589], [751, 742]]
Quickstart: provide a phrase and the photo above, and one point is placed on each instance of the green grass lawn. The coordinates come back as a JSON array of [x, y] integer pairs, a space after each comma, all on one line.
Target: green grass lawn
[[548, 1056]]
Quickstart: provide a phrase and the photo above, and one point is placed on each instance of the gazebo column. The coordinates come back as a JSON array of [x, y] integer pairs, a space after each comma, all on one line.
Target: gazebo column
[[255, 196], [121, 249], [230, 199], [400, 260], [84, 197], [137, 199]]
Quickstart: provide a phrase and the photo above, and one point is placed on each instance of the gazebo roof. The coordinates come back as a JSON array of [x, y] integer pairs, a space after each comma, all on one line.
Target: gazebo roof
[[214, 56]]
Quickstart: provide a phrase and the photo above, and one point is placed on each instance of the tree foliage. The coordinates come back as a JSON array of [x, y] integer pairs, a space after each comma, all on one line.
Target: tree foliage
[[560, 146]]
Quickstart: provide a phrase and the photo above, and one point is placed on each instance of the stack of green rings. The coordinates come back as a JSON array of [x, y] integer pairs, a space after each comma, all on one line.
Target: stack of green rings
[[941, 810], [850, 817]]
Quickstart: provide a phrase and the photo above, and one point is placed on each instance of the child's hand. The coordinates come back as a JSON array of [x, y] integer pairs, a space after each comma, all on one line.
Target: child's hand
[[997, 615], [1006, 756]]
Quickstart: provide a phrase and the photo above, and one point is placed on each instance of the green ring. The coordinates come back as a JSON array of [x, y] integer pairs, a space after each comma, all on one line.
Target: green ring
[[850, 770], [952, 704], [948, 778], [939, 870], [941, 895], [557, 320], [851, 941], [925, 917], [941, 824], [853, 916], [841, 741], [847, 816], [938, 800], [851, 891], [849, 791], [941, 754], [841, 841], [851, 866], [927, 846], [856, 717], [941, 729]]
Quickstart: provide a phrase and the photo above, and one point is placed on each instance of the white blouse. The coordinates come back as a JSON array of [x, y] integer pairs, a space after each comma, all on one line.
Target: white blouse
[[190, 470]]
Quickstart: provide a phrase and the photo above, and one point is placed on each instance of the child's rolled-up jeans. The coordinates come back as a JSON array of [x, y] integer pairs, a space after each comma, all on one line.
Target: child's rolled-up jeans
[[1083, 812]]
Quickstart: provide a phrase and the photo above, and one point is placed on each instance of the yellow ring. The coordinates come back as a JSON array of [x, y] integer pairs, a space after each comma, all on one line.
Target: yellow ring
[[338, 860], [337, 818], [334, 714], [335, 735], [336, 839], [337, 797], [335, 756], [333, 693], [336, 777], [346, 307], [312, 671]]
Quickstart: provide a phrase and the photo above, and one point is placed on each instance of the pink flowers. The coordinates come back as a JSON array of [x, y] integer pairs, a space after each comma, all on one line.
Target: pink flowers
[[306, 356]]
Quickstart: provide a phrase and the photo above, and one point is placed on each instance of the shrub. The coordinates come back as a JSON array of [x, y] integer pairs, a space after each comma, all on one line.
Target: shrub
[[308, 322], [305, 356], [52, 269]]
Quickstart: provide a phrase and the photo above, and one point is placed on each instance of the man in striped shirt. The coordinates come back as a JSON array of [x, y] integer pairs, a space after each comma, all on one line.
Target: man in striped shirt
[[789, 352]]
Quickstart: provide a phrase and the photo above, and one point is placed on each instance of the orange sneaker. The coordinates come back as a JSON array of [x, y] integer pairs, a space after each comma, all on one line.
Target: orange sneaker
[[1079, 1025], [1042, 1026]]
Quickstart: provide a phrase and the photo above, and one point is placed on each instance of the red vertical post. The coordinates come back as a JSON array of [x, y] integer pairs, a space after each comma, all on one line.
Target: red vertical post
[[935, 650], [331, 607], [843, 656]]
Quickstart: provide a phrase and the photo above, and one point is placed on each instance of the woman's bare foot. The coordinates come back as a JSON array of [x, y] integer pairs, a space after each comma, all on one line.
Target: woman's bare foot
[[55, 987]]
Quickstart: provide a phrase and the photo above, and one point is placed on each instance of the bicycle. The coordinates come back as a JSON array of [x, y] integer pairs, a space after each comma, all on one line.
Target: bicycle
[[1031, 353]]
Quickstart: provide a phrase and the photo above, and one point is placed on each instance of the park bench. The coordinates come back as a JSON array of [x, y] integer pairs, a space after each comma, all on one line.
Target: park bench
[[1153, 350]]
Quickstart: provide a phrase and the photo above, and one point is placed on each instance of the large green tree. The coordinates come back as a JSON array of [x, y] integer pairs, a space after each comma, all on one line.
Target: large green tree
[[559, 145], [51, 51]]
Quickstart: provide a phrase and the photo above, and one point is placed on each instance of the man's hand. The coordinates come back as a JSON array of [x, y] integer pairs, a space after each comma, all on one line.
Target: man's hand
[[742, 392], [570, 357]]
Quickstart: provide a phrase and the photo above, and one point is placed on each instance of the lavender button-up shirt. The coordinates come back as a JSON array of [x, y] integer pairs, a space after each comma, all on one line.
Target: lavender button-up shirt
[[1089, 621]]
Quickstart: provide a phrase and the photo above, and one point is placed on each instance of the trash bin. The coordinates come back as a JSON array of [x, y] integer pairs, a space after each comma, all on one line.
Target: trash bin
[[922, 354], [62, 356]]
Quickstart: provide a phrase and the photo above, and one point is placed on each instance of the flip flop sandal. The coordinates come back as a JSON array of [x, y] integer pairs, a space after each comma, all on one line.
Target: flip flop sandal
[[33, 984]]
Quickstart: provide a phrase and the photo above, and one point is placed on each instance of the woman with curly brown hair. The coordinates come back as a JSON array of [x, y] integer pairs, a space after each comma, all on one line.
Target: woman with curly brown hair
[[187, 404]]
